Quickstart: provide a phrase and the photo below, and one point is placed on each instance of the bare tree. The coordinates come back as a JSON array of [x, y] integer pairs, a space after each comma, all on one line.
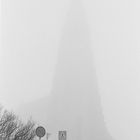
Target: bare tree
[[25, 131], [12, 128]]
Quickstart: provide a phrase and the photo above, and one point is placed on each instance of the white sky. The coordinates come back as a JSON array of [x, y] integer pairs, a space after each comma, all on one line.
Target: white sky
[[31, 31], [30, 37]]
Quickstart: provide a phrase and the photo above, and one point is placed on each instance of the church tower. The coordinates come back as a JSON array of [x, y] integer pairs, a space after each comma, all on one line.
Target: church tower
[[75, 102]]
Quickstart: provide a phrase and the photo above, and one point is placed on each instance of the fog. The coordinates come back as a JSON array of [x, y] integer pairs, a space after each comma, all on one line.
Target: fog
[[32, 35]]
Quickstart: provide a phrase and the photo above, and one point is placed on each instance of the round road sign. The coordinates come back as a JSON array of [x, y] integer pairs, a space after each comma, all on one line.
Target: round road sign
[[40, 131]]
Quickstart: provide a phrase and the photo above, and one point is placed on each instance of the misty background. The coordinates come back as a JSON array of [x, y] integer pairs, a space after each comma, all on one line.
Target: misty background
[[31, 34]]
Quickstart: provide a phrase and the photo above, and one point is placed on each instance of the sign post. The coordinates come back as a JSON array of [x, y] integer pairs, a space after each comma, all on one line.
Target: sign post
[[48, 135], [62, 135], [40, 132]]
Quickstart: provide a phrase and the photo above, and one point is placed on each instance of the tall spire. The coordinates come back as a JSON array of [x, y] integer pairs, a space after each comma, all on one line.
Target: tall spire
[[75, 102]]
